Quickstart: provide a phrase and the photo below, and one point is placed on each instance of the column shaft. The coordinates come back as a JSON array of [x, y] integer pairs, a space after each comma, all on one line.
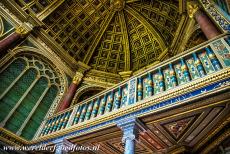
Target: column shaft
[[8, 41], [129, 146], [207, 26], [71, 91], [68, 97]]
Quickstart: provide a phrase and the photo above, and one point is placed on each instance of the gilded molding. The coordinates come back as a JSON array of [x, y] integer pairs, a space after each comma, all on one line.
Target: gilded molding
[[146, 103], [126, 40], [7, 14]]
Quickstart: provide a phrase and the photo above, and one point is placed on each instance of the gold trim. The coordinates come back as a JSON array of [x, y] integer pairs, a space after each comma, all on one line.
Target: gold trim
[[145, 103]]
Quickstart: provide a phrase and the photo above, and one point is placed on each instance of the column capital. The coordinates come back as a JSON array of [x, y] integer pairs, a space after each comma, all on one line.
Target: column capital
[[77, 78], [192, 8], [129, 128], [125, 74], [24, 29]]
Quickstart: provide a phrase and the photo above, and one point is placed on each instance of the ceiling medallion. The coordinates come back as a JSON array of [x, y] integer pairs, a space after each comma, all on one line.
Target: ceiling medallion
[[117, 5]]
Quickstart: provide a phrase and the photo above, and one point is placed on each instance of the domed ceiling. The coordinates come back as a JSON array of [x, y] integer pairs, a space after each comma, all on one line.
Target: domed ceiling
[[111, 35]]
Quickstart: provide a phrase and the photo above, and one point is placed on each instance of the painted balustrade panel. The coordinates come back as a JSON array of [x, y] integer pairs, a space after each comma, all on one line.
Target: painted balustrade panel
[[195, 65], [56, 123], [186, 68], [206, 63], [222, 49]]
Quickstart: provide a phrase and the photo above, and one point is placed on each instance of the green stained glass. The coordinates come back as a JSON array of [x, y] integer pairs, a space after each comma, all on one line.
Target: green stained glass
[[16, 92], [35, 121], [28, 102], [11, 73]]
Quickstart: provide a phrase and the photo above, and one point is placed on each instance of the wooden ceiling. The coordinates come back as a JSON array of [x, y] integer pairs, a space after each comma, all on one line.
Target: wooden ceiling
[[187, 128]]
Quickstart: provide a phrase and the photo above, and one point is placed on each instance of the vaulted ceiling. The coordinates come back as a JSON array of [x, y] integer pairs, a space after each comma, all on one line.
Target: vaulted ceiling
[[110, 35]]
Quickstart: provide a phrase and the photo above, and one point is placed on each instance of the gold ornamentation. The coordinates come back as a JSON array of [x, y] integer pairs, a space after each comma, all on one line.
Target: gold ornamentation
[[77, 78], [24, 29], [126, 74], [192, 8], [143, 104], [118, 5]]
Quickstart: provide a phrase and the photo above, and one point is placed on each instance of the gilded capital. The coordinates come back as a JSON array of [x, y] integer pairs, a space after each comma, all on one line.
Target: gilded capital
[[77, 78], [192, 8], [24, 29]]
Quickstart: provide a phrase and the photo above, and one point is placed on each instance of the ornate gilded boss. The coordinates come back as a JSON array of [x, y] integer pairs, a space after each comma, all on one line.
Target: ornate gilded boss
[[117, 4]]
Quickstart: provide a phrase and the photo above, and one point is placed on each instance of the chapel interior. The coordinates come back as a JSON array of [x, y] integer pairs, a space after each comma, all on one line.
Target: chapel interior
[[128, 76]]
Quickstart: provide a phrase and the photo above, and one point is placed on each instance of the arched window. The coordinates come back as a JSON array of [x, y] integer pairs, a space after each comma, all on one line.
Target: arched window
[[28, 88]]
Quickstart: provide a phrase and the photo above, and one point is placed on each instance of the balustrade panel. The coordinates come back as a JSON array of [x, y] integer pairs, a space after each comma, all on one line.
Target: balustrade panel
[[195, 64]]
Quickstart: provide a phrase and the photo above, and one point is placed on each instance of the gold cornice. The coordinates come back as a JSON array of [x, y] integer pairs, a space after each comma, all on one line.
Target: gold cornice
[[82, 67], [144, 21], [47, 11], [126, 40], [148, 102], [97, 39]]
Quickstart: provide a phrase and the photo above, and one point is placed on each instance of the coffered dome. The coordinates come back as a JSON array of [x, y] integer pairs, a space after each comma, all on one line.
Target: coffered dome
[[111, 35]]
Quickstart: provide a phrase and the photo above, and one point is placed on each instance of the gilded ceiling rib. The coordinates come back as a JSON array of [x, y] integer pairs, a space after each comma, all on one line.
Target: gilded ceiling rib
[[52, 7], [97, 39], [179, 35], [131, 1], [126, 40], [148, 25]]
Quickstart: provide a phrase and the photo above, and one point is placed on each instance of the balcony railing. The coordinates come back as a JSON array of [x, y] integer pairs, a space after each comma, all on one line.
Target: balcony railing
[[196, 63]]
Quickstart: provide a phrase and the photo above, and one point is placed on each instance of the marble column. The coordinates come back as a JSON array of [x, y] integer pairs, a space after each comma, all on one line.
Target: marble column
[[20, 33], [129, 128], [68, 97], [209, 29]]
